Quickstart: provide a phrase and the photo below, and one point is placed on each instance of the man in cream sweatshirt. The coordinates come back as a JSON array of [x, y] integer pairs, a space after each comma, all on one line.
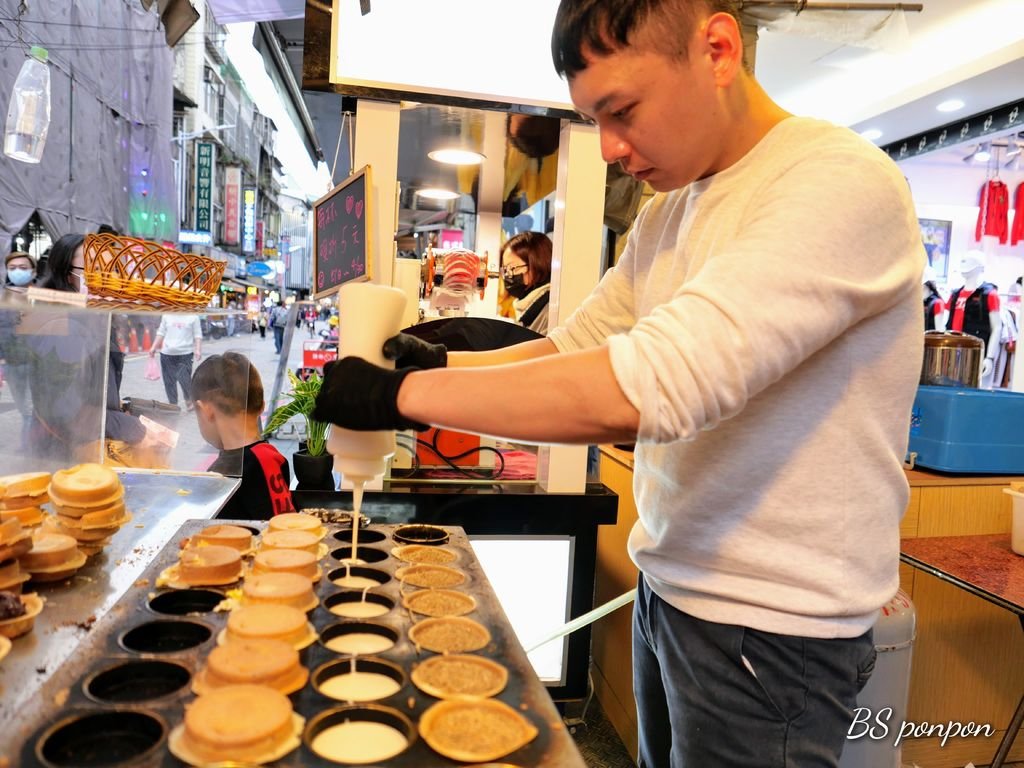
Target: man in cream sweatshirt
[[760, 340]]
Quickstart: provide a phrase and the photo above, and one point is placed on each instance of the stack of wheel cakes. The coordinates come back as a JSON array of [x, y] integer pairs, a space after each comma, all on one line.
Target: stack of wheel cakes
[[89, 501], [22, 497]]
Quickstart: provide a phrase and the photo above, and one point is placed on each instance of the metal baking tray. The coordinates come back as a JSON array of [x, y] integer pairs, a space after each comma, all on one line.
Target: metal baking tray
[[124, 688]]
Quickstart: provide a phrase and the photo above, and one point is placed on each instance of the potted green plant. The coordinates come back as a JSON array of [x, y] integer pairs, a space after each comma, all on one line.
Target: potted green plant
[[311, 463]]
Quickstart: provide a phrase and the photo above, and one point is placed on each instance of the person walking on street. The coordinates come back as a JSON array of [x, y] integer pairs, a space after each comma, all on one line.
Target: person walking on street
[[278, 320], [262, 323], [179, 340], [760, 576]]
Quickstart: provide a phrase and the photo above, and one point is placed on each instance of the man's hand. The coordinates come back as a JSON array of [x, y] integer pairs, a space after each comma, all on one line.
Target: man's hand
[[359, 395], [408, 350]]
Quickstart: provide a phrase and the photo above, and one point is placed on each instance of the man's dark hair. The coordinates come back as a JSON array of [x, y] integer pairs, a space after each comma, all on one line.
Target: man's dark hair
[[603, 26], [230, 383], [106, 229]]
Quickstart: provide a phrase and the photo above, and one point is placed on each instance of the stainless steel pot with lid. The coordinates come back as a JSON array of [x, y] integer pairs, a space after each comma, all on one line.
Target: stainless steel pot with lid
[[952, 359]]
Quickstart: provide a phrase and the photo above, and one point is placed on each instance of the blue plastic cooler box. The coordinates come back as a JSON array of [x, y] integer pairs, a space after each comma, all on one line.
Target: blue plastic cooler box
[[968, 430]]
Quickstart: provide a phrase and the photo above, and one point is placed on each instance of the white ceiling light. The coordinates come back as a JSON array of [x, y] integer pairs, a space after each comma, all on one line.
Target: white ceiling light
[[950, 105], [453, 156], [981, 154], [871, 134], [436, 193]]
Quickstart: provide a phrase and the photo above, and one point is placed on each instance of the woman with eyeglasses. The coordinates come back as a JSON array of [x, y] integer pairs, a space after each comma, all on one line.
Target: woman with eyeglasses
[[65, 269], [526, 275], [66, 272]]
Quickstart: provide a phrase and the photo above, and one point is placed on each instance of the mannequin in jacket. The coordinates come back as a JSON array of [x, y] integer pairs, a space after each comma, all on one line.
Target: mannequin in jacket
[[972, 267]]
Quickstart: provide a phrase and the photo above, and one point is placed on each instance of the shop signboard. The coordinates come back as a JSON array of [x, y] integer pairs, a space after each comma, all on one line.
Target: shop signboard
[[192, 237], [249, 220], [452, 238], [259, 269], [259, 237], [204, 186], [232, 195]]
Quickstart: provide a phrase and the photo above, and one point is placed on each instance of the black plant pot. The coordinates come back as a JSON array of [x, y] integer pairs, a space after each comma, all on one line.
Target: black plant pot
[[313, 473]]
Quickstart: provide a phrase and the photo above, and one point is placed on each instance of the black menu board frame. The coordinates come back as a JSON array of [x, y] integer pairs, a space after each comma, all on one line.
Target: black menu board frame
[[332, 218]]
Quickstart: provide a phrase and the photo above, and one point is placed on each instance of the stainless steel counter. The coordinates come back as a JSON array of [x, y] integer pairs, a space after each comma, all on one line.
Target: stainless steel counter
[[159, 504]]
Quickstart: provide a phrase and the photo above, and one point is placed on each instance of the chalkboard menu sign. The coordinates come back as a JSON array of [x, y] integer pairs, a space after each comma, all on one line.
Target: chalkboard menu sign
[[341, 234]]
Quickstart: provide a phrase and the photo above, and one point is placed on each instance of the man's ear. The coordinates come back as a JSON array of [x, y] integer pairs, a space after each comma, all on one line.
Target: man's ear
[[206, 410], [725, 41]]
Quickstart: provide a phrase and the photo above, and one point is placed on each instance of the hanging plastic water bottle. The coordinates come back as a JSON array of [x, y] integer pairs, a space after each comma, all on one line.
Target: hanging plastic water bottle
[[28, 117]]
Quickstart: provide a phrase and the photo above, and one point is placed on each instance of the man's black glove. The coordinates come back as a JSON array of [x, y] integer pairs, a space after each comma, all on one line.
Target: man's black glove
[[408, 350], [359, 395]]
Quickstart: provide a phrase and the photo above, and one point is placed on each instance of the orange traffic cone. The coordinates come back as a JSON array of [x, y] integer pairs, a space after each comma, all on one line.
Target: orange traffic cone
[[133, 341], [147, 342]]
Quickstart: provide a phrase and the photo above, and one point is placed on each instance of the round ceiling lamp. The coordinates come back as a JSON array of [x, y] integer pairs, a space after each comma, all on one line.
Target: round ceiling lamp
[[455, 156], [436, 193]]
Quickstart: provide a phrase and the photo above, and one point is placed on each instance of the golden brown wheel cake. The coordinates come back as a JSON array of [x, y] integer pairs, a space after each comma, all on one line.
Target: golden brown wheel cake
[[210, 566], [287, 561], [70, 527], [248, 723], [99, 517], [234, 536], [419, 553], [86, 486], [11, 503], [449, 634], [253, 661], [11, 576], [49, 550], [475, 730], [15, 541], [296, 521], [23, 484], [439, 602], [277, 622], [29, 517], [454, 676], [304, 540], [20, 613], [434, 576], [279, 589]]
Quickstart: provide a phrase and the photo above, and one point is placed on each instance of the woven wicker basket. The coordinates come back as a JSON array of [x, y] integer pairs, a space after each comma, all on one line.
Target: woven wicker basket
[[143, 272]]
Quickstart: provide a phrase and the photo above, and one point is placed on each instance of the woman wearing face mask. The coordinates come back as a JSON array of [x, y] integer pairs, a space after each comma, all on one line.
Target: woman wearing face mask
[[66, 265], [526, 275], [21, 271], [66, 272]]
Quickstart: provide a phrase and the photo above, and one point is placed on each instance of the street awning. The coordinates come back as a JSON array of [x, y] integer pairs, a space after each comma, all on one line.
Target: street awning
[[234, 11], [240, 284]]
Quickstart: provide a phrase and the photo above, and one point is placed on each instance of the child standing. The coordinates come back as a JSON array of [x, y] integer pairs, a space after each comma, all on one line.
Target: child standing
[[228, 396]]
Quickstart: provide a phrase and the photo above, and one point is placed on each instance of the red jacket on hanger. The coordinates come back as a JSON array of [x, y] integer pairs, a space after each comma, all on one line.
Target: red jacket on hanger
[[1017, 234], [994, 203]]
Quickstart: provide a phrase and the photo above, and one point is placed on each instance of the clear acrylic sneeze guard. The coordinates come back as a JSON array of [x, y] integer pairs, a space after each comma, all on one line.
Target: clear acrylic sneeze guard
[[75, 389]]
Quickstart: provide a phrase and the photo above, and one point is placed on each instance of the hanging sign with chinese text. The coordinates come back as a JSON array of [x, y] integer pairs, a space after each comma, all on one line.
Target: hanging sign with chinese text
[[232, 193], [249, 220], [204, 186]]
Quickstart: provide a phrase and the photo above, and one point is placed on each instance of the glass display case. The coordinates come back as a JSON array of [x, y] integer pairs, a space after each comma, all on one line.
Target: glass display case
[[80, 384]]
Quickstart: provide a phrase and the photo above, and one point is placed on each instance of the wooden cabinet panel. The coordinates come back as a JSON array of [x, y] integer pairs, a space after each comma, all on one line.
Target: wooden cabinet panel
[[613, 635]]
